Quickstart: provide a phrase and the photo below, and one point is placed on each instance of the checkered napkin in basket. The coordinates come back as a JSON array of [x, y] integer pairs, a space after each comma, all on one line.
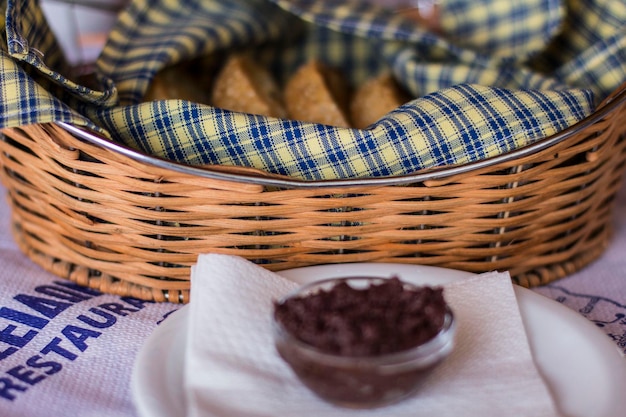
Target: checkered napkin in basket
[[544, 66]]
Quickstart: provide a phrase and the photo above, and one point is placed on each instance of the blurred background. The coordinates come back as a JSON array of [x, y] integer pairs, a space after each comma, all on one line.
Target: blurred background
[[81, 26]]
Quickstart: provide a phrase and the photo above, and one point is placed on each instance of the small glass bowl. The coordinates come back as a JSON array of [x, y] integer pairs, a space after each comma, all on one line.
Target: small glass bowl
[[361, 381]]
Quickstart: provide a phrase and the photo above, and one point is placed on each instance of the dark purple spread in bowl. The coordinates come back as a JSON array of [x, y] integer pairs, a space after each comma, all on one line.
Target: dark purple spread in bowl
[[363, 342]]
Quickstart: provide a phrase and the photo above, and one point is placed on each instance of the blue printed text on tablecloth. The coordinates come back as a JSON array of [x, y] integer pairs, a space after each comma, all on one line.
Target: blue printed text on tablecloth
[[20, 326]]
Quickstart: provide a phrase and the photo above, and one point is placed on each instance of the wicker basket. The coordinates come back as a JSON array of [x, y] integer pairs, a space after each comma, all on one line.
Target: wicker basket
[[110, 218]]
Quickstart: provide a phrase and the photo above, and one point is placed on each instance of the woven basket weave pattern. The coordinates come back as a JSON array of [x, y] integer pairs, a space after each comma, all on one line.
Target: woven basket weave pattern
[[124, 226]]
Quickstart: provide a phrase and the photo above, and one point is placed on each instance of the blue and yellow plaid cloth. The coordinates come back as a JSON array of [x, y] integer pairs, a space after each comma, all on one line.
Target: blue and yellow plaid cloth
[[503, 75]]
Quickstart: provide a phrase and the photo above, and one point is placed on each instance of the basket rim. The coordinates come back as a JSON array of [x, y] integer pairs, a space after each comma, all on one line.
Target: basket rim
[[608, 106]]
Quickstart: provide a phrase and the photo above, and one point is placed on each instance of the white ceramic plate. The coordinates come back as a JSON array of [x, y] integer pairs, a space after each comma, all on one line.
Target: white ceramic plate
[[582, 367]]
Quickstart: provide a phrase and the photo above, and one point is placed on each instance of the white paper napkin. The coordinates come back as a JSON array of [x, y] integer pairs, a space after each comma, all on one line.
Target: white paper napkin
[[232, 368]]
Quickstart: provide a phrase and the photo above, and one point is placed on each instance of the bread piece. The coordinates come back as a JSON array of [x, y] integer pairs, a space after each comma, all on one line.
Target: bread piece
[[374, 99], [243, 86], [319, 94], [189, 80]]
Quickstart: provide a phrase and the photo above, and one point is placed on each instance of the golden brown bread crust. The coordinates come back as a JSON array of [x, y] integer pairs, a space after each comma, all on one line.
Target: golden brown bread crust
[[319, 94], [374, 99], [315, 93], [243, 86], [188, 80]]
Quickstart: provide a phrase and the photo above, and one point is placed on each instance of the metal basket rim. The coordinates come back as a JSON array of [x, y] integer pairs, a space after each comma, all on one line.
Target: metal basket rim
[[608, 106]]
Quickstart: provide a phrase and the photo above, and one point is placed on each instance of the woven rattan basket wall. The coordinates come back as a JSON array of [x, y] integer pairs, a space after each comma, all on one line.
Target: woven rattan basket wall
[[126, 223]]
